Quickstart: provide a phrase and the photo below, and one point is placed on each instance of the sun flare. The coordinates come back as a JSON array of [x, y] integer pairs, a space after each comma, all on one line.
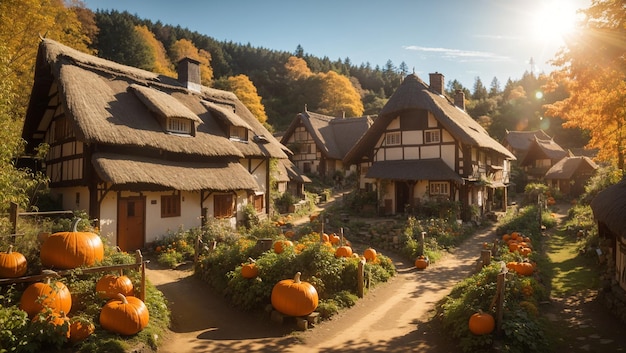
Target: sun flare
[[554, 20]]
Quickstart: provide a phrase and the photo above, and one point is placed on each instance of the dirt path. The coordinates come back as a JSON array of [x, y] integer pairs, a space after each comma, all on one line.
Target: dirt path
[[393, 317]]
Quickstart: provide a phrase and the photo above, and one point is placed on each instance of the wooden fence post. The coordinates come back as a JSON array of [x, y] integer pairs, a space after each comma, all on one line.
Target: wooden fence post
[[422, 237], [485, 257], [13, 217], [500, 290], [139, 260], [360, 279]]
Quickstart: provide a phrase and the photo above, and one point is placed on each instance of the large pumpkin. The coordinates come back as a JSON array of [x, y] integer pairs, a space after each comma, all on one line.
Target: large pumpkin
[[369, 254], [39, 296], [126, 315], [73, 249], [293, 297], [12, 264], [109, 286], [343, 251], [481, 323]]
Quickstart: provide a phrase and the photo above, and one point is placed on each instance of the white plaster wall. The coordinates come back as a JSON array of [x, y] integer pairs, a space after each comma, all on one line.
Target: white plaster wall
[[447, 154], [393, 154], [430, 152], [413, 137]]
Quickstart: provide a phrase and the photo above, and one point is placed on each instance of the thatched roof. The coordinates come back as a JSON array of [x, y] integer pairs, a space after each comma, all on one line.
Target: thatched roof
[[609, 208], [567, 167], [124, 170], [418, 169], [521, 140], [115, 105], [543, 149], [415, 94], [333, 136], [287, 171]]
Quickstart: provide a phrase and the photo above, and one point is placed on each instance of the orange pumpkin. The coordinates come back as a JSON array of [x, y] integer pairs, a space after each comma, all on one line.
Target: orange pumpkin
[[481, 323], [294, 297], [281, 245], [370, 254], [421, 262], [12, 264], [73, 249], [524, 268], [59, 321], [290, 234], [39, 296], [126, 315], [108, 286], [325, 237], [525, 251], [334, 239], [249, 270], [80, 329], [343, 251]]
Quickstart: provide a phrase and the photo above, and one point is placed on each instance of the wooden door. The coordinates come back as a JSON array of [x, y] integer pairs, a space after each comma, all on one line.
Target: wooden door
[[131, 220]]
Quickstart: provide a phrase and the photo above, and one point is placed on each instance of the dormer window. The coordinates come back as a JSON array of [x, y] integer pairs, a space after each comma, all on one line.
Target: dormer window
[[238, 133], [174, 116], [179, 126]]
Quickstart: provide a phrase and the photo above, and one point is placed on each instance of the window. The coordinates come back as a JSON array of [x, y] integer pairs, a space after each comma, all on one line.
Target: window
[[179, 126], [432, 136], [238, 133], [439, 188], [258, 202], [170, 206], [392, 139], [223, 206], [62, 129], [306, 167]]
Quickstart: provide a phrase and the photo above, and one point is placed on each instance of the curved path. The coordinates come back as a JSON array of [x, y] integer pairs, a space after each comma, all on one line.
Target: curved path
[[391, 318]]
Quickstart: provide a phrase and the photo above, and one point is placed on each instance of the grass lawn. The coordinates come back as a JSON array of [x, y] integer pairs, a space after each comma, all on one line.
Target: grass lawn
[[571, 272]]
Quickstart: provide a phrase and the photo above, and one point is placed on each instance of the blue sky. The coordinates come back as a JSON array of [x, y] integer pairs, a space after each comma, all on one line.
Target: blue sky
[[462, 39]]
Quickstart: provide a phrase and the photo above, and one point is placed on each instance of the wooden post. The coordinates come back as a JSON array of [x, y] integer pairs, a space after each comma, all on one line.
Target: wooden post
[[341, 236], [485, 257], [139, 260], [13, 217], [196, 250], [360, 279], [422, 236], [500, 290]]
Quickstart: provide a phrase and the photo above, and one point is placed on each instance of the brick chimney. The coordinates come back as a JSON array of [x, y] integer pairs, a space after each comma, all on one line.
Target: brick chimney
[[436, 83], [189, 74], [459, 99]]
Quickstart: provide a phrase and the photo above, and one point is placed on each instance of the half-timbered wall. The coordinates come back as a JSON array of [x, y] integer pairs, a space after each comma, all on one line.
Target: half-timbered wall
[[306, 156], [416, 135], [65, 159]]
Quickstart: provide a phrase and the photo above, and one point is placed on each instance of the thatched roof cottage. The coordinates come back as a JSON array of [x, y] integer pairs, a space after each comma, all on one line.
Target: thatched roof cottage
[[141, 152], [424, 146]]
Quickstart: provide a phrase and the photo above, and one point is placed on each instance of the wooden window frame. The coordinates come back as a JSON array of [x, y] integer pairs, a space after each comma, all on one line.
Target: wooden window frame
[[221, 207], [393, 138], [179, 126], [430, 134], [439, 188], [258, 201], [238, 133], [170, 206]]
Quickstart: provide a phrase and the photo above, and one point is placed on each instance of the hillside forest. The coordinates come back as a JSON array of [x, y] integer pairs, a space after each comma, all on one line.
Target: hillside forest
[[277, 85]]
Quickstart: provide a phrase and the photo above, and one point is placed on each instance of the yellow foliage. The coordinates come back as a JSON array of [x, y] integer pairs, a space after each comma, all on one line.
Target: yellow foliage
[[245, 90], [297, 69], [339, 97], [185, 48], [162, 64]]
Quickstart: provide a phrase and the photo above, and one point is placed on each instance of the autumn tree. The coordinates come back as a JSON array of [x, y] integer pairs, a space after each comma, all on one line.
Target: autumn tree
[[593, 72], [245, 90], [338, 96], [185, 48], [22, 24], [297, 69], [160, 61]]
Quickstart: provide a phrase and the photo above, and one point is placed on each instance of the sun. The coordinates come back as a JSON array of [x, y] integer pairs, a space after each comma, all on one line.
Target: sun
[[554, 20]]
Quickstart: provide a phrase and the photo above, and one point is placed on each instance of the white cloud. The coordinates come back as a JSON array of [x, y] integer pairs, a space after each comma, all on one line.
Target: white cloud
[[458, 54]]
